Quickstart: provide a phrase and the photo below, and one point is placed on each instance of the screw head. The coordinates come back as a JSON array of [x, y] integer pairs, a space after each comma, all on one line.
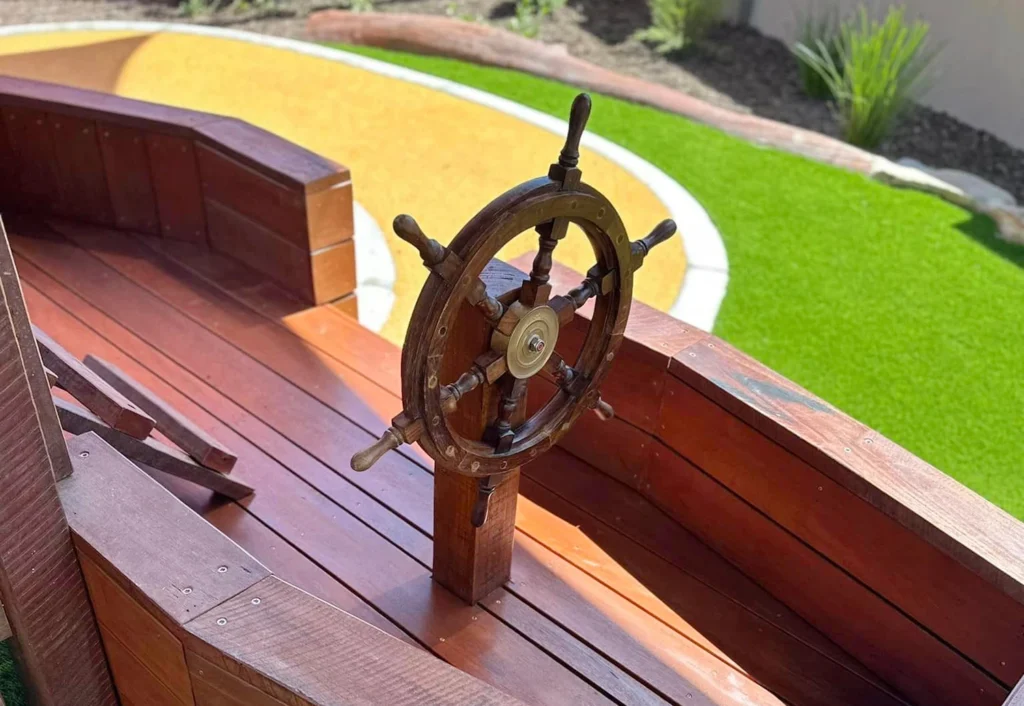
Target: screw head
[[536, 344], [222, 569], [222, 621]]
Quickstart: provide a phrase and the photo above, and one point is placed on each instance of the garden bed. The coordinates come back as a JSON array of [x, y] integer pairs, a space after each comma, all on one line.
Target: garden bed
[[737, 68]]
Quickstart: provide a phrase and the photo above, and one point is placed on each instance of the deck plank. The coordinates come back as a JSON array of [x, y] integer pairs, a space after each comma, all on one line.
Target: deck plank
[[393, 581], [413, 506]]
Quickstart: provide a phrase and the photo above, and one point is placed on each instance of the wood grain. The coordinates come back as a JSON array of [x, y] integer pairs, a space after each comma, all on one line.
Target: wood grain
[[41, 586], [176, 186], [312, 648], [126, 163], [109, 405], [39, 382], [214, 686], [886, 641], [81, 177], [150, 452], [135, 683], [35, 171], [154, 648], [966, 609], [185, 434], [145, 551]]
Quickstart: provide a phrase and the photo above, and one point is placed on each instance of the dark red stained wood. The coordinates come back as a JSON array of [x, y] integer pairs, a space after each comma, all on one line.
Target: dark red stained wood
[[314, 649], [635, 384], [126, 162], [8, 171], [273, 205], [813, 502], [79, 167], [261, 248], [273, 156], [41, 586], [92, 391], [885, 640], [145, 550], [185, 434], [29, 138], [150, 453], [347, 548], [179, 199], [41, 96], [610, 510]]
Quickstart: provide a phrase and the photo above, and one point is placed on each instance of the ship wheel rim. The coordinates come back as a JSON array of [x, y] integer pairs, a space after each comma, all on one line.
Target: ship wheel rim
[[515, 214]]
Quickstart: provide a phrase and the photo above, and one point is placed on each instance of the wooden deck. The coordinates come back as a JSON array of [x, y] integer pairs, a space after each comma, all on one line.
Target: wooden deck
[[611, 601]]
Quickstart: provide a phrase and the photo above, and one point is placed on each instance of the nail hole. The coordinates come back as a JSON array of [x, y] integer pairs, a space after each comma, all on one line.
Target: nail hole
[[222, 569], [443, 331], [187, 590], [84, 454], [435, 421], [256, 601], [222, 621]]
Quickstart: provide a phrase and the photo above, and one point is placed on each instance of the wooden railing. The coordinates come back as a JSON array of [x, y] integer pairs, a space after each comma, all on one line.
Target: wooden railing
[[913, 574], [183, 175]]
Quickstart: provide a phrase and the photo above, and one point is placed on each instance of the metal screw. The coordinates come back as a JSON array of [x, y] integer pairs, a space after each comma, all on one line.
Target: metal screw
[[187, 590], [222, 621], [536, 344], [222, 569], [84, 454], [847, 449], [256, 601]]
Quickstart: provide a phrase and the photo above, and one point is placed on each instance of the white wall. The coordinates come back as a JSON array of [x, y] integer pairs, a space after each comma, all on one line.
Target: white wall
[[980, 76]]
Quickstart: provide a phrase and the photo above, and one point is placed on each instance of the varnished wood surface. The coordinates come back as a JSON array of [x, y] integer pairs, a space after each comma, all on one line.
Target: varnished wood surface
[[56, 641], [294, 410], [181, 175], [278, 639]]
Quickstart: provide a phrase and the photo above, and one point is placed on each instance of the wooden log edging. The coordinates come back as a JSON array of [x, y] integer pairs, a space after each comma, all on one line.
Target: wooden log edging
[[481, 44], [827, 514]]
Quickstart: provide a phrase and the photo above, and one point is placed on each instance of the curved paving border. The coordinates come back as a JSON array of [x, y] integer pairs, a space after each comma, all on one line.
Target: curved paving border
[[707, 266]]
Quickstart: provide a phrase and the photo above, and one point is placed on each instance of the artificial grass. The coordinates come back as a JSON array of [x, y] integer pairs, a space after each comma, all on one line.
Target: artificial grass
[[12, 691], [902, 310]]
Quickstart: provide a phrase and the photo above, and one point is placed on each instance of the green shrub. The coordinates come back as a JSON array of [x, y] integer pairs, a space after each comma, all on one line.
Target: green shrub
[[817, 29], [881, 69], [678, 24], [530, 15]]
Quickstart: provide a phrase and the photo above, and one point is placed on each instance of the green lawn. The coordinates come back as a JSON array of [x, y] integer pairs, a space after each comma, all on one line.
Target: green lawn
[[902, 310]]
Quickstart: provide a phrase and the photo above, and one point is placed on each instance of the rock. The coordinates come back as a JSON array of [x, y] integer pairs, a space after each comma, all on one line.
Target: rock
[[909, 176], [1011, 223], [964, 189], [982, 192]]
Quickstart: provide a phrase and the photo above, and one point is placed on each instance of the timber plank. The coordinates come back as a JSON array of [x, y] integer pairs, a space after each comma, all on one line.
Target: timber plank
[[135, 682], [970, 613], [29, 139], [214, 686], [109, 405], [175, 426], [776, 659], [41, 587], [882, 638], [1017, 697], [138, 546], [150, 452], [311, 648], [154, 647], [398, 586], [420, 513], [126, 163], [81, 178], [179, 199]]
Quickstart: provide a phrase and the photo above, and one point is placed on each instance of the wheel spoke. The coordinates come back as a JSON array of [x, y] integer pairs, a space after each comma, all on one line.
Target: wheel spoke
[[488, 368], [597, 282], [487, 305], [501, 432], [536, 290], [558, 372]]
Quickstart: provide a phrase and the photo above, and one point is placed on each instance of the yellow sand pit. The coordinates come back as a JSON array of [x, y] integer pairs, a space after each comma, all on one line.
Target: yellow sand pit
[[411, 149]]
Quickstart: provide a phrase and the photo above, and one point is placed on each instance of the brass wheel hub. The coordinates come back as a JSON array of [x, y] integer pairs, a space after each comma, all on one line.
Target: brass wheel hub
[[531, 343]]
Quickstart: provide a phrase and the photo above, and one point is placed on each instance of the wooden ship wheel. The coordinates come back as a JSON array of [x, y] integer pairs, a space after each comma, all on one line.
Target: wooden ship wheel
[[523, 330]]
